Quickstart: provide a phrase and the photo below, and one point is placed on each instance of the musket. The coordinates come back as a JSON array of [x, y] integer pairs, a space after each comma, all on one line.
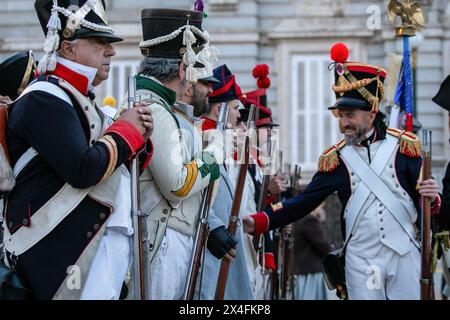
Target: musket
[[290, 279], [235, 208], [426, 281], [264, 187], [287, 249], [139, 223], [275, 284], [202, 229], [276, 276]]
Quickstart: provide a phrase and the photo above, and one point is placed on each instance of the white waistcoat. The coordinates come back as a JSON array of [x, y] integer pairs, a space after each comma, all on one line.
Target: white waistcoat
[[377, 227]]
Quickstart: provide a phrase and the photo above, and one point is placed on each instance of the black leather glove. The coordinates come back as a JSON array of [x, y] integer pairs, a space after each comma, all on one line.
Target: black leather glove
[[220, 242]]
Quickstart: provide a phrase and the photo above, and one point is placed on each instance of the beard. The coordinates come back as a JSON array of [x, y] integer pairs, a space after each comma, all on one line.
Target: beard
[[357, 137], [199, 102]]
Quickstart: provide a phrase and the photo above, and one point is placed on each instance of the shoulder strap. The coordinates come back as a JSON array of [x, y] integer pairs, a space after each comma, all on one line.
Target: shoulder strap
[[24, 160], [353, 212], [47, 87], [371, 181]]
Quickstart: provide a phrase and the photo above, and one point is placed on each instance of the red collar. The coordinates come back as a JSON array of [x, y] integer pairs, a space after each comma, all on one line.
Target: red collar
[[79, 81], [208, 123]]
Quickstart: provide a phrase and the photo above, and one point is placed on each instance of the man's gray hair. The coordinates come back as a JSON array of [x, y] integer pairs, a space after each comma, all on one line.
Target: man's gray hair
[[165, 70]]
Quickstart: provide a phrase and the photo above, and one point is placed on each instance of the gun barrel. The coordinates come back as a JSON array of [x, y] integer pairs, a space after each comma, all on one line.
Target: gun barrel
[[138, 224], [201, 233], [426, 282]]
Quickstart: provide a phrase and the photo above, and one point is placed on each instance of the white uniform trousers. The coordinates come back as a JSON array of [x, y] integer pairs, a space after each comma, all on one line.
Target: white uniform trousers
[[169, 274], [388, 276], [109, 268]]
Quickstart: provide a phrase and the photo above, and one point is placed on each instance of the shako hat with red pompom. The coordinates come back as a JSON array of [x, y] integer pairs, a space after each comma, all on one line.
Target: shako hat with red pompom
[[357, 85], [259, 98]]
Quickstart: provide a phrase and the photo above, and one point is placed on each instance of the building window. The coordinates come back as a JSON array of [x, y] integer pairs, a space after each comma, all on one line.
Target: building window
[[117, 83], [314, 128]]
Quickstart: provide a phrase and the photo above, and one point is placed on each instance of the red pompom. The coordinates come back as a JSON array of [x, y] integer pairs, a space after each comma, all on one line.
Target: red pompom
[[339, 52], [261, 71], [263, 83]]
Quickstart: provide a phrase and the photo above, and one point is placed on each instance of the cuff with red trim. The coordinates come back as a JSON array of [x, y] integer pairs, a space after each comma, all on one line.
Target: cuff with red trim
[[269, 261], [436, 206], [129, 134], [261, 223]]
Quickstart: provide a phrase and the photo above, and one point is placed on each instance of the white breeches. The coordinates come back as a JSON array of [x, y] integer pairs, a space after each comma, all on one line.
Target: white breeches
[[169, 274], [386, 276], [109, 267]]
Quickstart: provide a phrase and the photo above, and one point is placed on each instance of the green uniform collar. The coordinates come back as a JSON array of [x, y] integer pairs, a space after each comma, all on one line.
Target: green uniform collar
[[168, 95]]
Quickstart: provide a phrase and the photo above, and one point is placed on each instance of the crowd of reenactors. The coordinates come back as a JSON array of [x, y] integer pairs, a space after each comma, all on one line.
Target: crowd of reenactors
[[182, 194]]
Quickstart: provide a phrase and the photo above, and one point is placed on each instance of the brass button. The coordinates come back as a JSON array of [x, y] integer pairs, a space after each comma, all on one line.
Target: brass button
[[382, 229], [165, 211], [102, 216], [67, 33], [163, 219], [25, 221], [380, 212], [96, 226], [89, 235]]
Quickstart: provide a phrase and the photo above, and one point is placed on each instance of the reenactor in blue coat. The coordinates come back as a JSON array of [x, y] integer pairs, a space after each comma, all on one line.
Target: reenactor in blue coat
[[71, 202], [376, 173]]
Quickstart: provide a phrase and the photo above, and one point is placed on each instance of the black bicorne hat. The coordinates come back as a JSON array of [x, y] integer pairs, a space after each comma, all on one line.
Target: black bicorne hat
[[16, 72], [95, 18], [69, 20], [442, 98]]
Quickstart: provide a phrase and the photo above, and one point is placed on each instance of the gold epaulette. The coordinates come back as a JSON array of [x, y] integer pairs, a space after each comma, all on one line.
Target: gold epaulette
[[329, 160], [410, 144]]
